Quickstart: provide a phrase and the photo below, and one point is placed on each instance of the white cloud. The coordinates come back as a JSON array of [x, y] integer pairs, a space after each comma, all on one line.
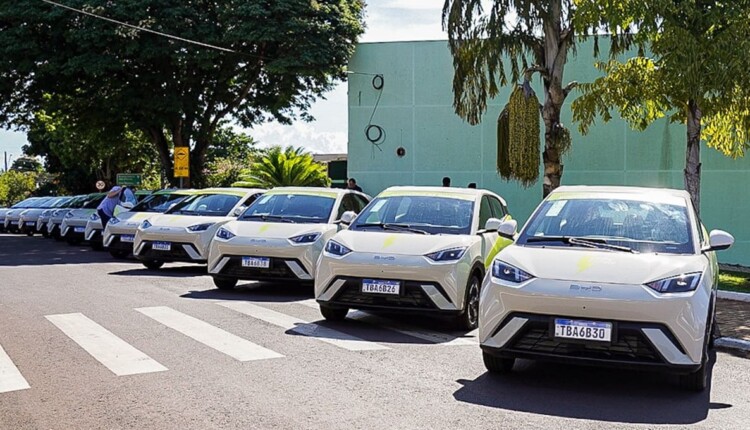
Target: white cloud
[[408, 4], [300, 134]]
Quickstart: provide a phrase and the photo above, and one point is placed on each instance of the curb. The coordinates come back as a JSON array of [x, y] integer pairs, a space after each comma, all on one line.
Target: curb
[[732, 295], [733, 344]]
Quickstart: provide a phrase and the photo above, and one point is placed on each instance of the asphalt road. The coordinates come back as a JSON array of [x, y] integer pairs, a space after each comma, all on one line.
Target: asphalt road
[[107, 344]]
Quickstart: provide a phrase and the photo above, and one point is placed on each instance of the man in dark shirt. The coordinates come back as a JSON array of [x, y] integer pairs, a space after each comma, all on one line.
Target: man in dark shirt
[[352, 185]]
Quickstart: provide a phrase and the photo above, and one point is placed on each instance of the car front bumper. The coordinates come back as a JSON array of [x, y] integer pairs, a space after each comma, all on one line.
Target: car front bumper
[[425, 286], [648, 328], [93, 230], [113, 234], [73, 228], [287, 261], [185, 246]]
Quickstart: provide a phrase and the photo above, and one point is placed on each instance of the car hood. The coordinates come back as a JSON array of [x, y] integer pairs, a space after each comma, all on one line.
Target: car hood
[[33, 212], [601, 266], [135, 217], [80, 213], [400, 243], [166, 220], [275, 230]]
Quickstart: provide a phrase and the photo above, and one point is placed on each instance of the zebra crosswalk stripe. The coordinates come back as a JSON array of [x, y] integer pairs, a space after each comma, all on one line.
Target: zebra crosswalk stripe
[[10, 377]]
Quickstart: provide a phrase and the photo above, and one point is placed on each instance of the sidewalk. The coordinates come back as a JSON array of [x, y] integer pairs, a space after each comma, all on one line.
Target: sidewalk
[[734, 319]]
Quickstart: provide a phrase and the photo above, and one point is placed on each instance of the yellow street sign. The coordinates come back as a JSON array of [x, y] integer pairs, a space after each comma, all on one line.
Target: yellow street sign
[[182, 162]]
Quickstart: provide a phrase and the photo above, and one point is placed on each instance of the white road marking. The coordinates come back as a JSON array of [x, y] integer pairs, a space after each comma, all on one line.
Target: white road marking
[[10, 378], [418, 332], [114, 353], [213, 337], [324, 334]]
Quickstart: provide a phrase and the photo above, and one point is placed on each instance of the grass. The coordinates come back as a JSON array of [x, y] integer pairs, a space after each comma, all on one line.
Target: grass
[[734, 281]]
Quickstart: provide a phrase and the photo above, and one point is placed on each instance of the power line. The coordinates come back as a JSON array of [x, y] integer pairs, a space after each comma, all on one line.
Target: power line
[[147, 30]]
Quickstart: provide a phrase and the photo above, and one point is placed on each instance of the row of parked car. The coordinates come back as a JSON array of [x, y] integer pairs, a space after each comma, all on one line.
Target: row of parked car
[[609, 275]]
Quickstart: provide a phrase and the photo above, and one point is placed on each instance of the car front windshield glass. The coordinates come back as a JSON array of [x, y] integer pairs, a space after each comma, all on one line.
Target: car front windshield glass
[[299, 208], [206, 205], [62, 202], [94, 202], [416, 213], [158, 203], [638, 225]]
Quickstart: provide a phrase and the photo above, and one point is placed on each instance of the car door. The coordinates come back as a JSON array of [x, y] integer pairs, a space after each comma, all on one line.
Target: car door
[[499, 211]]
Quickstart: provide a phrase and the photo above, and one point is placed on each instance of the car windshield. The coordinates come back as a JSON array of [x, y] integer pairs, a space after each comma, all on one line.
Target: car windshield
[[417, 214], [62, 202], [24, 203], [93, 202], [302, 208], [158, 203], [206, 205], [39, 203], [619, 224], [75, 202]]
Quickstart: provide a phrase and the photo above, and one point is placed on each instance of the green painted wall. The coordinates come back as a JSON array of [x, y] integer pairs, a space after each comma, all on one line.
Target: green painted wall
[[415, 110]]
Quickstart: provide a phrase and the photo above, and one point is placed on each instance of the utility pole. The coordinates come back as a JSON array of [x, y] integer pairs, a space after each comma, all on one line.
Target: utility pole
[[6, 161]]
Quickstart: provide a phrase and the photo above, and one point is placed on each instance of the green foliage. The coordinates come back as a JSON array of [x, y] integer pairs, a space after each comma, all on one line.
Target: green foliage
[[16, 186], [503, 145], [698, 52], [285, 54], [285, 167], [523, 136], [27, 164], [229, 155]]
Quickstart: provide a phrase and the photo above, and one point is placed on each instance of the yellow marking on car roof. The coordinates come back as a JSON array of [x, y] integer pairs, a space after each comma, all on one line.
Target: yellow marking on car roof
[[584, 263], [331, 194], [225, 192], [655, 197], [445, 194]]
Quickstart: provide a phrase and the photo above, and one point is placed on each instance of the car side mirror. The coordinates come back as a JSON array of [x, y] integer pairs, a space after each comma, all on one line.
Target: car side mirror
[[492, 224], [719, 240], [347, 217], [507, 228], [127, 205], [237, 212]]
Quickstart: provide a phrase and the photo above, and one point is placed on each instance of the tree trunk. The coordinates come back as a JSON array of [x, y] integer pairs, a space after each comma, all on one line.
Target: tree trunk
[[693, 154], [162, 146], [553, 169]]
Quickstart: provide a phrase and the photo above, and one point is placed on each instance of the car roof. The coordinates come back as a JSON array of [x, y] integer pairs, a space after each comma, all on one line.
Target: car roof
[[231, 191], [451, 192], [318, 191], [180, 191], [648, 193]]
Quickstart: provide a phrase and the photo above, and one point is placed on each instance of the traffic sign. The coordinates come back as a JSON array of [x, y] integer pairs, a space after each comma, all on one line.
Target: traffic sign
[[131, 179], [100, 185], [181, 162]]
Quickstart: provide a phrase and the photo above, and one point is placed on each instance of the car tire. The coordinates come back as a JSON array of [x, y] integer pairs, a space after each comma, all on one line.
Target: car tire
[[333, 314], [469, 318], [715, 333], [44, 233], [153, 264], [225, 283], [120, 255], [498, 365], [30, 233], [698, 381]]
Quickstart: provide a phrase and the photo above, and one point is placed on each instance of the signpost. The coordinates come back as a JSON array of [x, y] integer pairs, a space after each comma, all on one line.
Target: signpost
[[130, 179], [100, 185], [181, 162]]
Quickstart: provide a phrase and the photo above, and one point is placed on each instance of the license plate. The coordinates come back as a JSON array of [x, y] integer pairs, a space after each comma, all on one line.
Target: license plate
[[30, 223], [161, 246], [381, 287], [259, 262], [584, 330], [79, 229], [14, 223], [127, 238]]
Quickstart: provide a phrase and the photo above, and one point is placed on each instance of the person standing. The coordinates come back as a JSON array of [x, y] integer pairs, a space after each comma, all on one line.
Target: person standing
[[447, 181], [351, 184], [128, 196], [106, 208]]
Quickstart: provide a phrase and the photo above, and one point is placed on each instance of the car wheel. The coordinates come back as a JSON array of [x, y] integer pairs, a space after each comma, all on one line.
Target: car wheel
[[696, 381], [29, 233], [153, 264], [333, 314], [497, 365], [715, 333], [120, 255], [44, 233], [469, 318], [225, 283]]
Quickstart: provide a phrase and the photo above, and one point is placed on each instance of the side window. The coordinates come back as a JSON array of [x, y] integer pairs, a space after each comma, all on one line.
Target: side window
[[498, 210], [348, 204], [251, 199], [485, 211], [361, 201]]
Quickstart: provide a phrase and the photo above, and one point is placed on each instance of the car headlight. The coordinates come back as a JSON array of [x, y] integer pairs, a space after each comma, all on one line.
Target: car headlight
[[305, 238], [69, 215], [676, 284], [200, 227], [114, 220], [450, 254], [94, 217], [506, 272], [224, 234], [145, 224], [335, 248]]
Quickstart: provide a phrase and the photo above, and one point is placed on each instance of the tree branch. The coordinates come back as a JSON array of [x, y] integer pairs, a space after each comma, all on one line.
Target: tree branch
[[568, 88], [535, 69]]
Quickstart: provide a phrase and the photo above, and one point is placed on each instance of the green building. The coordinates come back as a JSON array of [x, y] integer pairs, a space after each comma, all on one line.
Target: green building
[[416, 138]]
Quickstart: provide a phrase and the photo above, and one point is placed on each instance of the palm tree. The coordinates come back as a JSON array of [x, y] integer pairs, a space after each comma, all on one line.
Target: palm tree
[[285, 167]]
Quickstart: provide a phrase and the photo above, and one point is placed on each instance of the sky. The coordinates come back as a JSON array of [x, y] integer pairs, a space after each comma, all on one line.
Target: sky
[[386, 21]]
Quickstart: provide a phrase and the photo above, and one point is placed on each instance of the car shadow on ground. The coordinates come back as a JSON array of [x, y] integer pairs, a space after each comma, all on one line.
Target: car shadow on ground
[[18, 250], [257, 292], [602, 394], [187, 271]]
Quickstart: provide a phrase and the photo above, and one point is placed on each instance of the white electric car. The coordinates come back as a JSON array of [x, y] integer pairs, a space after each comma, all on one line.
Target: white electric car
[[12, 219], [73, 226], [413, 249], [27, 219], [44, 216], [119, 235], [56, 216], [615, 276], [280, 236], [184, 232]]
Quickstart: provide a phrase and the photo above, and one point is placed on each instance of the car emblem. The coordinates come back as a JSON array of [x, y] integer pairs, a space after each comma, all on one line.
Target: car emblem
[[384, 258], [586, 288], [163, 228], [257, 240]]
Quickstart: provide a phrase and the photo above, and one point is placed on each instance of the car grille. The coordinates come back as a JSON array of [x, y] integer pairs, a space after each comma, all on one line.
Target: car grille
[[412, 296], [118, 245], [629, 344], [176, 253], [277, 269]]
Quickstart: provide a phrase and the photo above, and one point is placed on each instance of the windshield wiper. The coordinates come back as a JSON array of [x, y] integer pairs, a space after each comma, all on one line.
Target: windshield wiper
[[390, 226], [266, 217], [581, 241]]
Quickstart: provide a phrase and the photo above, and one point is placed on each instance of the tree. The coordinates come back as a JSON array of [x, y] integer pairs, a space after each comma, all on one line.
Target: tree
[[16, 186], [695, 72], [228, 157], [535, 36], [27, 164], [285, 167], [266, 60]]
